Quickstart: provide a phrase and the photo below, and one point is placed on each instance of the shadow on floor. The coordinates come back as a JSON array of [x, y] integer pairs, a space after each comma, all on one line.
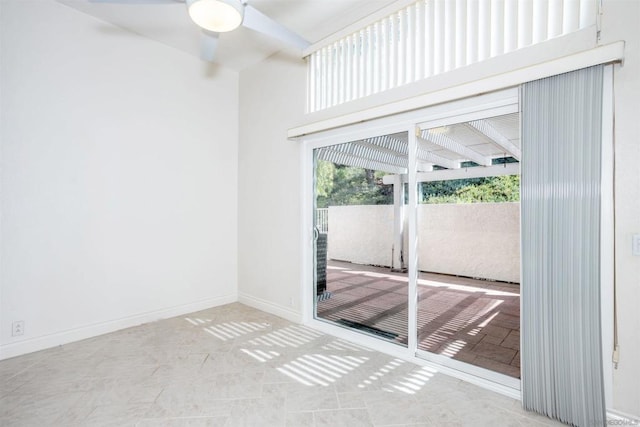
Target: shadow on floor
[[474, 321]]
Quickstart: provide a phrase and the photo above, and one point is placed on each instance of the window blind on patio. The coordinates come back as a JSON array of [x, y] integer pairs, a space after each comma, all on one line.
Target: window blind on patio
[[560, 201]]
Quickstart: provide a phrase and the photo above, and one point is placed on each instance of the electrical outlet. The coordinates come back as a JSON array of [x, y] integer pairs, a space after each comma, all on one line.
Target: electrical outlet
[[291, 302], [17, 328]]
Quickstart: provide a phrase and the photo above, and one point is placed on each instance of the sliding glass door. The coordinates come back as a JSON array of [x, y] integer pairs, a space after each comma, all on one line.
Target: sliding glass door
[[416, 237]]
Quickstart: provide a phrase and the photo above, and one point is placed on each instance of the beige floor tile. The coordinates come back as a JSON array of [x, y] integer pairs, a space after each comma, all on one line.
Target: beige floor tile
[[237, 366], [343, 418]]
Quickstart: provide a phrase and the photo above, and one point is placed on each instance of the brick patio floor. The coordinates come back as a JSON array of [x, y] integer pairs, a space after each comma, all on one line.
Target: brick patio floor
[[474, 321]]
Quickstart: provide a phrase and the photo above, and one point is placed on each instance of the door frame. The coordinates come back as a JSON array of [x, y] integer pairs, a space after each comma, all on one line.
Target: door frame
[[497, 103]]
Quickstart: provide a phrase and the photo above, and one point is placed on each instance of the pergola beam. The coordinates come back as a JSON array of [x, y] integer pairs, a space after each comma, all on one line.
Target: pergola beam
[[349, 159], [454, 146], [474, 172], [485, 128], [426, 155], [449, 174]]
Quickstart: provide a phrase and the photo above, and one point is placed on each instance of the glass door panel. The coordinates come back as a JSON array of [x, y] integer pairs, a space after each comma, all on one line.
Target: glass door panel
[[360, 279], [468, 228]]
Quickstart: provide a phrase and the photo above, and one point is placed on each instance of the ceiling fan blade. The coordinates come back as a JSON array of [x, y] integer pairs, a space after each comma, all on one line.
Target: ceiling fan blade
[[209, 45], [256, 20]]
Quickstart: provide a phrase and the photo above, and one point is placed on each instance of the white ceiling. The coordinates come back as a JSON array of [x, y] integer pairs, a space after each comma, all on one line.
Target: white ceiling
[[169, 24]]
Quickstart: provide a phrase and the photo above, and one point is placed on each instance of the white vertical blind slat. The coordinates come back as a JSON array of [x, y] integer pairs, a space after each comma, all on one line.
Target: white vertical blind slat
[[330, 76], [325, 82], [588, 12], [430, 37], [393, 52], [449, 35], [540, 20], [438, 36], [348, 67], [525, 23], [410, 52], [484, 29], [419, 41], [402, 48], [555, 18], [461, 33], [357, 51], [362, 78], [369, 61], [377, 62], [510, 25], [335, 57], [341, 69], [497, 27], [384, 68], [570, 16], [472, 31]]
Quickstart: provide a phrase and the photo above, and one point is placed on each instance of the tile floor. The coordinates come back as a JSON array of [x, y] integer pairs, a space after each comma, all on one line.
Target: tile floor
[[475, 321], [237, 366]]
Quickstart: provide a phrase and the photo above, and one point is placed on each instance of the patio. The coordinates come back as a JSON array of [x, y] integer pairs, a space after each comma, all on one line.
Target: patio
[[474, 321]]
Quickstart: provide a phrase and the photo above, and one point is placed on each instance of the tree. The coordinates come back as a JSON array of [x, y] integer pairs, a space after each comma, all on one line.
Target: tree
[[339, 185], [480, 190]]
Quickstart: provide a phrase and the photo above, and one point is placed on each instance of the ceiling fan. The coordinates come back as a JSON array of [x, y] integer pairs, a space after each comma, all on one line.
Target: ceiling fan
[[221, 16]]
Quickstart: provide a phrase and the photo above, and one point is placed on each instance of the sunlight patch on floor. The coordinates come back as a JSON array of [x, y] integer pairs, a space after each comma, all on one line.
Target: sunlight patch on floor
[[320, 369]]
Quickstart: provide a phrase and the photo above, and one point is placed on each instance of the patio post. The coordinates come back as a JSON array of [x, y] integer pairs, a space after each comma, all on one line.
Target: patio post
[[398, 224]]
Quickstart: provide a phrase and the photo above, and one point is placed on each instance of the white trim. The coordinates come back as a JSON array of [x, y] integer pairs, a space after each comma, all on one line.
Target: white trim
[[621, 416], [607, 243], [306, 244], [515, 68], [496, 103], [412, 244], [269, 307], [48, 341]]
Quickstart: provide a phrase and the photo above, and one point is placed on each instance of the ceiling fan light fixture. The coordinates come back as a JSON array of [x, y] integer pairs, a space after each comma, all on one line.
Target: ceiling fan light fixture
[[218, 16]]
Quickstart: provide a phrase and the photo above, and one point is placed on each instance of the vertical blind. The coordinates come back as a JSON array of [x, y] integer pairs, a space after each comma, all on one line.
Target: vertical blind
[[560, 201], [431, 37]]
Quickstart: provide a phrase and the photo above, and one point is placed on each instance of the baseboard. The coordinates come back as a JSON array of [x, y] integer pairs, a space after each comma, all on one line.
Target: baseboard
[[270, 307], [60, 338], [631, 420]]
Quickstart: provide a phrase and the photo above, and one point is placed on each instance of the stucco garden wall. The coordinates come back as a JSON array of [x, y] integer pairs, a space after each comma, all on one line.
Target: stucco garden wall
[[474, 240]]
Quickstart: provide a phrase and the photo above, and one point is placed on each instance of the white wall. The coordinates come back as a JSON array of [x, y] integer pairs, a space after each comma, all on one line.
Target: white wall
[[272, 99], [119, 165], [473, 240], [620, 22]]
